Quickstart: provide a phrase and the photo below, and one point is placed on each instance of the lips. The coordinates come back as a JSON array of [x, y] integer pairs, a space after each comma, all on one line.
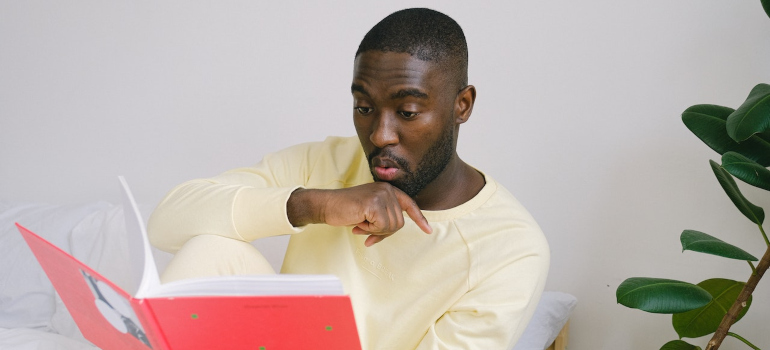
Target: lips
[[385, 169], [386, 174]]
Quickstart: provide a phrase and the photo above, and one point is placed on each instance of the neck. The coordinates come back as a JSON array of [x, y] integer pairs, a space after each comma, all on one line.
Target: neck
[[457, 184]]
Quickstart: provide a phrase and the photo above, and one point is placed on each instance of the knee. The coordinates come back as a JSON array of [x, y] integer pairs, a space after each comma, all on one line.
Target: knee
[[210, 255]]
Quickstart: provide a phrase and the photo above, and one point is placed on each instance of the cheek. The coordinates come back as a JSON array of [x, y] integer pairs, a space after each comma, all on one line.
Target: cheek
[[418, 137], [424, 131], [360, 126], [363, 131]]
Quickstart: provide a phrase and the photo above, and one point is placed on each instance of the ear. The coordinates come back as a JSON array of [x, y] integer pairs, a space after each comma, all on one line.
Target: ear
[[464, 104]]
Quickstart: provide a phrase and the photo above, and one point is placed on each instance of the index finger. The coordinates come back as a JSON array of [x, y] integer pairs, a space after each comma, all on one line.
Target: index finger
[[410, 207]]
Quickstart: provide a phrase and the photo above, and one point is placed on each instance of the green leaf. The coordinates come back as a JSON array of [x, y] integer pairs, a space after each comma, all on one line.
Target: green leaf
[[708, 123], [766, 6], [747, 170], [705, 320], [679, 345], [700, 242], [661, 296], [752, 116], [751, 211]]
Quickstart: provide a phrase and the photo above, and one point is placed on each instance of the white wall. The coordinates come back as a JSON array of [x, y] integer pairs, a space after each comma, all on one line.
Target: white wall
[[578, 114]]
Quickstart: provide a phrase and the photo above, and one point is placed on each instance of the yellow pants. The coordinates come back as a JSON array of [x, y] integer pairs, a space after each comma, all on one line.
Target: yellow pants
[[210, 255]]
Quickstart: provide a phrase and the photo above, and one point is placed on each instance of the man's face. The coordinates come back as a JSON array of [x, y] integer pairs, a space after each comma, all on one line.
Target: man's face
[[404, 117]]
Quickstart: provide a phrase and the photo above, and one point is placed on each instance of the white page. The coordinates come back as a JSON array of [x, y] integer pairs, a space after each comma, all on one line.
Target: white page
[[144, 273], [250, 285]]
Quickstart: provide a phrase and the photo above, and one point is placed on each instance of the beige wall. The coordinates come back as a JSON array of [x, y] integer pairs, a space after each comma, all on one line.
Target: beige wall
[[578, 114]]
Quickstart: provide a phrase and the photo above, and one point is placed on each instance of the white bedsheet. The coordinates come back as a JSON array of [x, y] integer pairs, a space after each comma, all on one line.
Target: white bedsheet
[[33, 339]]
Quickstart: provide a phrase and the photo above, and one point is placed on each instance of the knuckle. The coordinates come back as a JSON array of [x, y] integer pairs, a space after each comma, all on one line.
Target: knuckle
[[376, 200]]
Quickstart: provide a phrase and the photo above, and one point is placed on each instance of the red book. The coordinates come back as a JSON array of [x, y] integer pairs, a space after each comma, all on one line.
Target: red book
[[260, 312]]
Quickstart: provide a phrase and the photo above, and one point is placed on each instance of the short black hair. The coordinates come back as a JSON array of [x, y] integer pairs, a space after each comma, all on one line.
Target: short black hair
[[426, 34]]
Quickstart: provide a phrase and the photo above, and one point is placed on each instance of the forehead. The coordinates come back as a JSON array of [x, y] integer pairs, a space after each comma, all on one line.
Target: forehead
[[388, 71]]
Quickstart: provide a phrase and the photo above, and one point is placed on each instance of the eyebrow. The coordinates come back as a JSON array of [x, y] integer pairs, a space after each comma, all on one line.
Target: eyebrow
[[358, 88], [394, 96], [408, 92]]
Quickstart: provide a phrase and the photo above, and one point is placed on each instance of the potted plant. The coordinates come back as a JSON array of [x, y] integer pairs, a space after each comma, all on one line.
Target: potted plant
[[742, 137]]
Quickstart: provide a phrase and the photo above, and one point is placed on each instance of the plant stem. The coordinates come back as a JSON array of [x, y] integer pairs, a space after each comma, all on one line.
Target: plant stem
[[739, 303], [753, 269], [764, 235], [743, 340]]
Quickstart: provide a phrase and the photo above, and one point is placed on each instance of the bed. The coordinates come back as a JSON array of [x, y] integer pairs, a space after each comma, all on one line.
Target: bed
[[33, 317]]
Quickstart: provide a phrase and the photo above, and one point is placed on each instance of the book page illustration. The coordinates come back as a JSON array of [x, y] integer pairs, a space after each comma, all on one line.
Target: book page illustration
[[115, 308]]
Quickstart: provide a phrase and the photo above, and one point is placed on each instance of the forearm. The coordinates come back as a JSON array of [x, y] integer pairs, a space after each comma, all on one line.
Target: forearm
[[204, 207], [248, 203]]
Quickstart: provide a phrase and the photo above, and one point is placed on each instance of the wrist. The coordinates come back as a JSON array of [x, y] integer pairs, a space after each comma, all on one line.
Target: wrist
[[305, 207]]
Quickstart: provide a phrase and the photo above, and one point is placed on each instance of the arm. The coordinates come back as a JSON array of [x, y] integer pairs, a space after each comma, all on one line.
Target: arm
[[243, 204], [268, 199]]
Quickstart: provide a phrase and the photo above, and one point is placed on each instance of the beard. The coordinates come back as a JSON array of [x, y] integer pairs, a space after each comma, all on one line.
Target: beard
[[428, 169]]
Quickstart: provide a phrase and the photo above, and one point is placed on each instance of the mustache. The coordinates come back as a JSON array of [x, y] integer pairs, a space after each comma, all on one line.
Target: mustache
[[387, 153]]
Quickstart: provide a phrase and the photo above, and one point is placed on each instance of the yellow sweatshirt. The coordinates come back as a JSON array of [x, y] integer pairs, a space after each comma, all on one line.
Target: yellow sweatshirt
[[471, 284]]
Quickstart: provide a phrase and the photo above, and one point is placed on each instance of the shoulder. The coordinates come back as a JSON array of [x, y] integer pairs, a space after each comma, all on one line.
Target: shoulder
[[347, 147], [503, 208], [335, 149], [503, 205], [332, 163], [332, 144], [501, 232]]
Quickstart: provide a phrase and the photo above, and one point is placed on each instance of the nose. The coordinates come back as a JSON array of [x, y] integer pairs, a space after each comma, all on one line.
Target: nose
[[384, 130]]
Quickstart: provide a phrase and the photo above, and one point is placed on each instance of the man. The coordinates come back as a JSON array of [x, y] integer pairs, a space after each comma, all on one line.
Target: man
[[463, 269]]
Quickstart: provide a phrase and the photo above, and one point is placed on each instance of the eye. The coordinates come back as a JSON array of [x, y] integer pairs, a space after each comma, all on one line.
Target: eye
[[408, 115], [363, 110]]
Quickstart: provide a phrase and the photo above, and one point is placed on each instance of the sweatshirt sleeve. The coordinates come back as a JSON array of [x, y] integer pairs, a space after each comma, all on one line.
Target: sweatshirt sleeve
[[243, 204]]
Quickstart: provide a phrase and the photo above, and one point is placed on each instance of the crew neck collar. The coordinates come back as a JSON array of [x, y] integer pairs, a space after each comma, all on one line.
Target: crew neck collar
[[490, 186]]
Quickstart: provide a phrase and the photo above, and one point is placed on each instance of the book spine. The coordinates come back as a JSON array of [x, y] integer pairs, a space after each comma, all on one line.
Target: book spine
[[151, 329]]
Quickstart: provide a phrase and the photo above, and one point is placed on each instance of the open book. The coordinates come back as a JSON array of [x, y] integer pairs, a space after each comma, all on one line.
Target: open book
[[259, 312]]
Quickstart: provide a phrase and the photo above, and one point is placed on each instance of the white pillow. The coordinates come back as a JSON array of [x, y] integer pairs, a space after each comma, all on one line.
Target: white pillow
[[27, 296], [99, 241], [551, 314]]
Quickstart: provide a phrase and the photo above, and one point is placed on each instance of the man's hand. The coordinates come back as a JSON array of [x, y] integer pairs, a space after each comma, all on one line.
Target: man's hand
[[375, 209]]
